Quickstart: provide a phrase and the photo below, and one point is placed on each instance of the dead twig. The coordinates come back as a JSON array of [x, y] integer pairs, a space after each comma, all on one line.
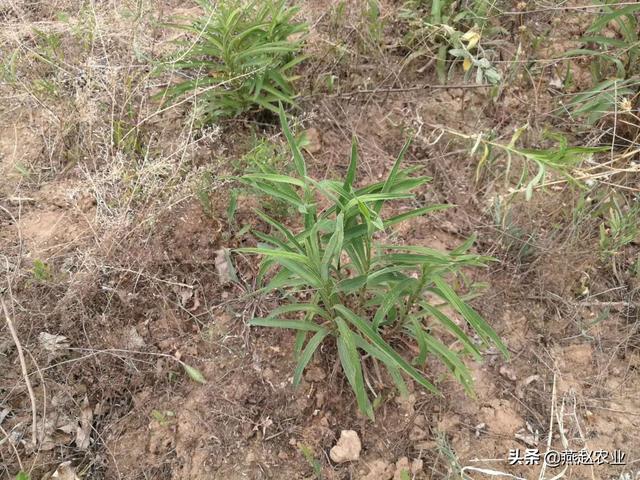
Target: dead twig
[[25, 373]]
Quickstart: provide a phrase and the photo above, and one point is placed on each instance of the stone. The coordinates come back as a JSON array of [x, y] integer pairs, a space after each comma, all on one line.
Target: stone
[[348, 447]]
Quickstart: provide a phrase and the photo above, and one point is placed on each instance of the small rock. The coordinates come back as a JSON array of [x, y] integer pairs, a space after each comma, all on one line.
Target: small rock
[[348, 447], [416, 466], [224, 267], [506, 372], [524, 384], [65, 472], [406, 404], [313, 144]]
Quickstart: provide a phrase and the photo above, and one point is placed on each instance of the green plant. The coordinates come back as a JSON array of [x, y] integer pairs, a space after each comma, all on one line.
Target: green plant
[[241, 57], [22, 476], [267, 157], [614, 62], [373, 22], [513, 238], [607, 97], [562, 158], [365, 295], [9, 65], [314, 463], [438, 30], [444, 449], [202, 192], [621, 54], [621, 227], [41, 271]]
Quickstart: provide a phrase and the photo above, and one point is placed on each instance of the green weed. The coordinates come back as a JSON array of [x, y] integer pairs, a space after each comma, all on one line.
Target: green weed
[[41, 271], [513, 239], [561, 159], [445, 449], [615, 62], [438, 30], [9, 65], [607, 97], [241, 58], [314, 463], [365, 293], [620, 228], [267, 158], [373, 23]]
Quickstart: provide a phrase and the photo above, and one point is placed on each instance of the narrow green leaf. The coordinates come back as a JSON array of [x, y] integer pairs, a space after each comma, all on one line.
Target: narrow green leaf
[[333, 248], [300, 307], [272, 177], [418, 333], [298, 159], [291, 324], [351, 171], [604, 20], [391, 366], [282, 229], [476, 321], [277, 254], [367, 330], [452, 327], [194, 373], [350, 360], [391, 299], [393, 174], [418, 212], [307, 354]]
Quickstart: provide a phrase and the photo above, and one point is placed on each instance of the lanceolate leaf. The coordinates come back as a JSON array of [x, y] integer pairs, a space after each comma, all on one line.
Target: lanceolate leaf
[[451, 326], [333, 248], [298, 159], [476, 321], [350, 360], [351, 172], [307, 354], [292, 324], [388, 184], [375, 352], [367, 330]]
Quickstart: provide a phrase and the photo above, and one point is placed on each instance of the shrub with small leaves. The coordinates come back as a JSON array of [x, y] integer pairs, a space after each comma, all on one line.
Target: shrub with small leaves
[[368, 297]]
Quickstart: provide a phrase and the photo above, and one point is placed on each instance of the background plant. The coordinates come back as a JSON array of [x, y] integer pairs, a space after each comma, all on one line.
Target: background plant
[[537, 163], [614, 62], [242, 57], [365, 294], [441, 30], [620, 228]]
